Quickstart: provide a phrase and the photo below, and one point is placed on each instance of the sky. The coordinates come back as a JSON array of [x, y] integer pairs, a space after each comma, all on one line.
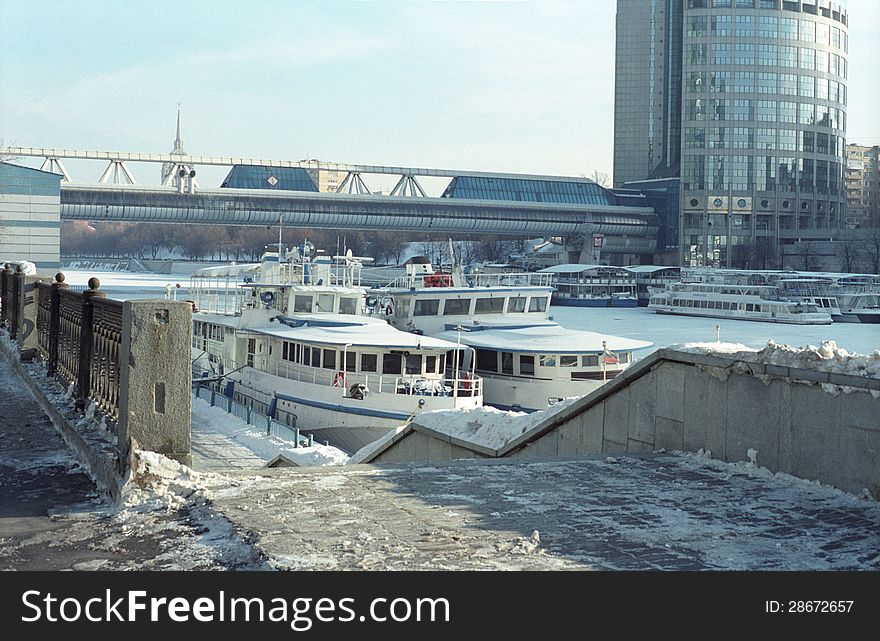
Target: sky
[[493, 86]]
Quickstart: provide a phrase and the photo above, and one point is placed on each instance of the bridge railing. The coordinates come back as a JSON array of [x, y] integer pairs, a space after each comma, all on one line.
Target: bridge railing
[[129, 358]]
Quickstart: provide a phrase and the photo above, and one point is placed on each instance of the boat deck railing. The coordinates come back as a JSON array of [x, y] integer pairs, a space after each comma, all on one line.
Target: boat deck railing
[[501, 279], [359, 384]]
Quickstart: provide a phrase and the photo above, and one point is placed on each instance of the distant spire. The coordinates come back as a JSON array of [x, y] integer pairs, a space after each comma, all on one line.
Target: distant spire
[[178, 142]]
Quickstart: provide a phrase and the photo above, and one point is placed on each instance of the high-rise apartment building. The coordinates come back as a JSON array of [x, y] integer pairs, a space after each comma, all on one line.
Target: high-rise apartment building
[[745, 101], [862, 186]]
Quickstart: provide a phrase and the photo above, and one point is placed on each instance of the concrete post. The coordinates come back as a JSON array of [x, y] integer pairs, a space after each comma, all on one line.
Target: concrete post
[[83, 384], [55, 324], [28, 337], [155, 405]]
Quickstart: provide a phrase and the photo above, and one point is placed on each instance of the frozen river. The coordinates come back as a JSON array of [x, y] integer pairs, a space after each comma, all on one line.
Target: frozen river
[[639, 323], [664, 330]]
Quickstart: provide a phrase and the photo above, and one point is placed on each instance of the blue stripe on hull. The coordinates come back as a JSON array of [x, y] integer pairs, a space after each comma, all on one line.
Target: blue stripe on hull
[[593, 302], [361, 411]]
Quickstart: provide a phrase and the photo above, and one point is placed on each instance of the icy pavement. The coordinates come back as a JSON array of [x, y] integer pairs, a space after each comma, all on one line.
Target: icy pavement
[[52, 518], [669, 512], [223, 442]]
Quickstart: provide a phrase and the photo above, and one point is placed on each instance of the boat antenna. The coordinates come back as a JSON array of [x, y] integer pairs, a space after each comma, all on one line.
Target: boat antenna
[[280, 225]]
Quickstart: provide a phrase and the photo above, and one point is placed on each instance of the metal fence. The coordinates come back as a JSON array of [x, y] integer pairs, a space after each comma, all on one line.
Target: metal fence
[[253, 417], [79, 334]]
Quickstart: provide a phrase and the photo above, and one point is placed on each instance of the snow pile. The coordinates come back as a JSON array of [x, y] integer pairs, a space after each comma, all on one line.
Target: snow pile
[[206, 418], [825, 358], [487, 426], [160, 483], [706, 348]]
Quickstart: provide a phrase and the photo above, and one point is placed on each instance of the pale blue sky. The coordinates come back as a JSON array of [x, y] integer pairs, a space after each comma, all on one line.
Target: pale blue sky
[[497, 86]]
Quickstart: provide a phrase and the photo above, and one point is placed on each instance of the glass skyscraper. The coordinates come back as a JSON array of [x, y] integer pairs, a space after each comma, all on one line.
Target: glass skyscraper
[[745, 101]]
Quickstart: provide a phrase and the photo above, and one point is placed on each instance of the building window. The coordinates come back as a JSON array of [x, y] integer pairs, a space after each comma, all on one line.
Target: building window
[[767, 82], [722, 25], [767, 28], [745, 26]]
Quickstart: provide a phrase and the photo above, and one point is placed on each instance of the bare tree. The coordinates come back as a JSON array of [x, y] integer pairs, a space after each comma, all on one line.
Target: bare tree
[[764, 254], [871, 249], [850, 255], [809, 254], [600, 178]]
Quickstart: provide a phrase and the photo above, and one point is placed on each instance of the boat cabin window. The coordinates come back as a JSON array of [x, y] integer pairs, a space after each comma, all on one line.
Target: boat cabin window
[[457, 307], [413, 363], [391, 364], [368, 362], [568, 361], [430, 364], [401, 307], [307, 356], [489, 306], [350, 361], [547, 360], [487, 360], [526, 365], [506, 363], [302, 304], [329, 359], [538, 304], [591, 360], [516, 304], [429, 307], [347, 305], [325, 303]]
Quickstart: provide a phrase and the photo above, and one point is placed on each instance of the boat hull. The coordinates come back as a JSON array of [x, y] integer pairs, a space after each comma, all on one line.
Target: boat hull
[[594, 302], [345, 422], [531, 395], [759, 319]]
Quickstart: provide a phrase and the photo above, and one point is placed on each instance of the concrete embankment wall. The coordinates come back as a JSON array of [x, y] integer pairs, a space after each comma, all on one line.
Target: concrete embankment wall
[[810, 424]]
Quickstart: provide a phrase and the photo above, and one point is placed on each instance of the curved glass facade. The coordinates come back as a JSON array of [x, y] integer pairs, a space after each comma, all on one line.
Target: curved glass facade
[[532, 190], [763, 126], [260, 177]]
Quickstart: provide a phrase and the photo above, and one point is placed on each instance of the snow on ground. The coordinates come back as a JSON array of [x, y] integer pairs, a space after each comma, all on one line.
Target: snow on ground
[[487, 426], [826, 358], [214, 421]]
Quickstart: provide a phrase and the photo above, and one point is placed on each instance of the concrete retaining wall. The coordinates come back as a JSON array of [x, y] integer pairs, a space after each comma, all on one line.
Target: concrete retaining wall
[[682, 401]]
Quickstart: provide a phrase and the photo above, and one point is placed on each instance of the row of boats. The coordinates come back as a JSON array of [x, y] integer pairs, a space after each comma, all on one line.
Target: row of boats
[[805, 298], [785, 296], [299, 338]]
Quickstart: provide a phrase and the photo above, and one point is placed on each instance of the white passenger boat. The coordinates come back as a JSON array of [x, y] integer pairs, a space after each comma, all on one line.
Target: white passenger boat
[[592, 286], [290, 339], [735, 302], [527, 361]]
